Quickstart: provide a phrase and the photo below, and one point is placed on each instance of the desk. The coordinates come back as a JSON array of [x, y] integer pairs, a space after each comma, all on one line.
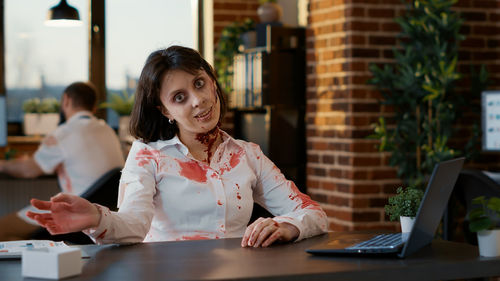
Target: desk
[[24, 145], [225, 260]]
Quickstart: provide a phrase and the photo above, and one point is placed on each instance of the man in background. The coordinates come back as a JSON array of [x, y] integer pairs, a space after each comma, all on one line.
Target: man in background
[[79, 152]]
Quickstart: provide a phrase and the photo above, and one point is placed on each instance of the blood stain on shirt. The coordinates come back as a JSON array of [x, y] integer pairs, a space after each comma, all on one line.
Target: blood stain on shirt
[[145, 155], [219, 203], [238, 195], [238, 186], [196, 237], [304, 200], [234, 160], [193, 171]]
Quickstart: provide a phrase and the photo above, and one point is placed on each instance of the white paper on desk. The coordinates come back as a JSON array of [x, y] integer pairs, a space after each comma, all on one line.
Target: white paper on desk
[[14, 249]]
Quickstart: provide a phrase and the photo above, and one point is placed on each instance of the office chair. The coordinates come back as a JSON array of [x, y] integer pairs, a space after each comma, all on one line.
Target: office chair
[[259, 212], [471, 184], [104, 191]]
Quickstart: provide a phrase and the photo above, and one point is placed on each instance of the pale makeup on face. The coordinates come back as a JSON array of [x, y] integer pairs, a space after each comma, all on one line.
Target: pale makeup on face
[[190, 100]]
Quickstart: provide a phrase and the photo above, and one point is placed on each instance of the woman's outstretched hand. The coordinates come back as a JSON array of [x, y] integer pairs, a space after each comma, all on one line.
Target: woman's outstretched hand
[[265, 231], [68, 213]]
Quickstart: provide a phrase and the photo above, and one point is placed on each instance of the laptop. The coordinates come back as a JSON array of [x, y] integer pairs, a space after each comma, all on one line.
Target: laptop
[[427, 220]]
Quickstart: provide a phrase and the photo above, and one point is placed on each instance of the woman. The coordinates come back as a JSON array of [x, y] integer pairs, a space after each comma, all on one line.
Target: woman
[[184, 178]]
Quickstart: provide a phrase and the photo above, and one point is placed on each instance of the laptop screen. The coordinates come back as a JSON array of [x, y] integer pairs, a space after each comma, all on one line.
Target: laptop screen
[[433, 204]]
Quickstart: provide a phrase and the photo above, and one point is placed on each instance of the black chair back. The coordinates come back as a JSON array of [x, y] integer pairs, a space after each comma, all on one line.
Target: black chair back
[[104, 192]]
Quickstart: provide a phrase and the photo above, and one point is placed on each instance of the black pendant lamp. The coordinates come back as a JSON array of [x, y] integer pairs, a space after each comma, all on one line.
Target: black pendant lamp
[[63, 15]]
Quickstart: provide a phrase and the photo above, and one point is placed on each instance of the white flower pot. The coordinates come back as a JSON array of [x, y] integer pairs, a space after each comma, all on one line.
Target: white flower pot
[[40, 123], [489, 243], [406, 223]]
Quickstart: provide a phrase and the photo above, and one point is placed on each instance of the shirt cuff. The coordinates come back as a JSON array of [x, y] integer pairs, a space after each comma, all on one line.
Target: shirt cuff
[[293, 221], [98, 233]]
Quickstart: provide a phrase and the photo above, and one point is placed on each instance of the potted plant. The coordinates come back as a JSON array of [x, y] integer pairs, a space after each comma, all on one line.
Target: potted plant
[[420, 87], [404, 206], [40, 116], [122, 105], [485, 220]]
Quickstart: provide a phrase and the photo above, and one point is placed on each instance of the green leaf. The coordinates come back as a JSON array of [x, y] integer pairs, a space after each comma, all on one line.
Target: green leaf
[[46, 105], [479, 200], [420, 85], [482, 223], [494, 204], [405, 203], [476, 214], [121, 104]]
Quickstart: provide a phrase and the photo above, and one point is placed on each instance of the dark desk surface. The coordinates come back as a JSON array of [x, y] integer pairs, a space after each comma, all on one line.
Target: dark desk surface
[[226, 260]]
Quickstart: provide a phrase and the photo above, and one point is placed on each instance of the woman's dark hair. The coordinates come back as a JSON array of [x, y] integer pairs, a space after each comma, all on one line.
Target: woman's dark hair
[[82, 94], [146, 120]]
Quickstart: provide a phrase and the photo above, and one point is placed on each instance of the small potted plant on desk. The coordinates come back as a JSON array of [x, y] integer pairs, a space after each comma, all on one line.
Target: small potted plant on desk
[[404, 206], [122, 105], [485, 220], [40, 116]]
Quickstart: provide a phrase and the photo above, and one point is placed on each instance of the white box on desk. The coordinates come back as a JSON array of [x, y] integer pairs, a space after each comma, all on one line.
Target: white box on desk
[[51, 263]]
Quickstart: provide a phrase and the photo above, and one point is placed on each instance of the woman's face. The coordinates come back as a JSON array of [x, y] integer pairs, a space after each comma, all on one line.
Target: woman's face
[[190, 100]]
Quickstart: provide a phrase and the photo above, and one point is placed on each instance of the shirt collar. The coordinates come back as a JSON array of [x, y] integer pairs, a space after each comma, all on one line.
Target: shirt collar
[[78, 115], [175, 141]]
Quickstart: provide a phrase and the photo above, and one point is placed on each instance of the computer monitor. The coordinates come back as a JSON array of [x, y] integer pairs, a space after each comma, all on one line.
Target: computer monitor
[[490, 120]]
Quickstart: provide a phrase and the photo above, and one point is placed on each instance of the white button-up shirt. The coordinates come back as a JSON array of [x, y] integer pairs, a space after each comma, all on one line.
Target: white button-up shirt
[[79, 151], [165, 195]]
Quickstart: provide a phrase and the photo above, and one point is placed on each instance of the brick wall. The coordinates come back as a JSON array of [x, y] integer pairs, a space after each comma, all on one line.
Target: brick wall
[[228, 11], [481, 47], [345, 171]]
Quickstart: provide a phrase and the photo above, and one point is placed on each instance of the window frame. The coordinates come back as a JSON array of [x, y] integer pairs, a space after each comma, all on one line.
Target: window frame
[[97, 46]]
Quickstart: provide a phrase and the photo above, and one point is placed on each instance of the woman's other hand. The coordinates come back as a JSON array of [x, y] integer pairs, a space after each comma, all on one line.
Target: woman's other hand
[[265, 231], [68, 213]]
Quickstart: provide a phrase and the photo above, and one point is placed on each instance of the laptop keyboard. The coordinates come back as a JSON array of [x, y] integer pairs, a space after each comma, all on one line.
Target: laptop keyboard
[[380, 241]]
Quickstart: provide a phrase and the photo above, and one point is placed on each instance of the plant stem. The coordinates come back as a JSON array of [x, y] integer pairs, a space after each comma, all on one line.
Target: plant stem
[[429, 120], [419, 149]]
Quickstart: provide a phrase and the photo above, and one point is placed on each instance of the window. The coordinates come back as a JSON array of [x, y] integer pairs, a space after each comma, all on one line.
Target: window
[[136, 28], [40, 61]]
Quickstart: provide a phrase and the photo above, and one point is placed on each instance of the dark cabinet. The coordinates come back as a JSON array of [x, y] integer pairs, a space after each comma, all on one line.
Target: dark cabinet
[[268, 100]]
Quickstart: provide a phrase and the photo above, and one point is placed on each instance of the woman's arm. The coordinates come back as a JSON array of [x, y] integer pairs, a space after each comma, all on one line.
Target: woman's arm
[[135, 200], [68, 213], [293, 209]]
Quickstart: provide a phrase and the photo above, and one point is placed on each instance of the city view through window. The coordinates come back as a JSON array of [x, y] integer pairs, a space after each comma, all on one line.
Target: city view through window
[[42, 60]]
